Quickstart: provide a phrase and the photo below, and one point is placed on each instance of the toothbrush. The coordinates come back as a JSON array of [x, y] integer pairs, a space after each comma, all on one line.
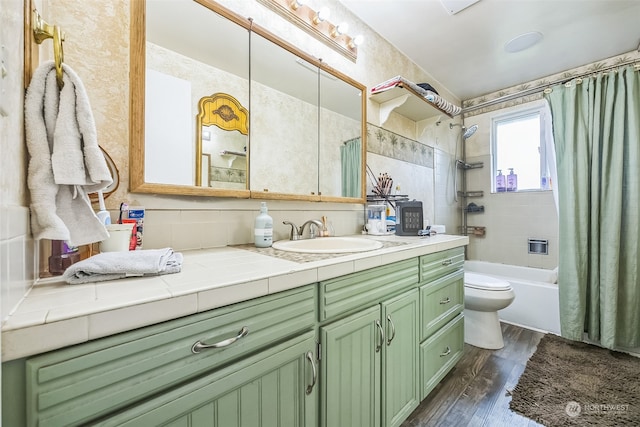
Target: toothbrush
[[123, 207], [103, 214]]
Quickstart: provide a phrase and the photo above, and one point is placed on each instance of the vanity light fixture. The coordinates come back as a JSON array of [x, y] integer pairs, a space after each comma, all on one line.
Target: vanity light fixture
[[316, 23]]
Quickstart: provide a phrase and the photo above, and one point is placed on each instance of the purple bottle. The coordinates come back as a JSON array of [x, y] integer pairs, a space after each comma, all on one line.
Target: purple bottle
[[501, 182], [512, 181]]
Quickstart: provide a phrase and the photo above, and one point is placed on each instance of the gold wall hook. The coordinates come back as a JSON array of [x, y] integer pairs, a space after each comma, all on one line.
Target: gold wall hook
[[43, 31]]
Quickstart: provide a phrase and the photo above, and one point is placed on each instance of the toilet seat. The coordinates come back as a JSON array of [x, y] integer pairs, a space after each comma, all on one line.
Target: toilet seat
[[485, 283]]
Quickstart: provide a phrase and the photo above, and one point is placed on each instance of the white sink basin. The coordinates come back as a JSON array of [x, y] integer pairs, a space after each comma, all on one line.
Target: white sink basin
[[323, 245]]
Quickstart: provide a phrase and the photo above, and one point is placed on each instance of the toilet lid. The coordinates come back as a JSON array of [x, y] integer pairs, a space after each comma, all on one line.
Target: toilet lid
[[487, 283]]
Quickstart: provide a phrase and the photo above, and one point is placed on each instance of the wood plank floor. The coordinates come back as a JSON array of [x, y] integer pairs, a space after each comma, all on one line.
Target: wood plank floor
[[475, 393]]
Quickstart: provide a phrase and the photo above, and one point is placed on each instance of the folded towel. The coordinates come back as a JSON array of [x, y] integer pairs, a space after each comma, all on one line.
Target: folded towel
[[429, 95], [119, 265]]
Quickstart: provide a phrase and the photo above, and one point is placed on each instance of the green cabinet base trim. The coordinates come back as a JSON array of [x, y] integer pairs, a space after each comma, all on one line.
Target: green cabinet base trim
[[441, 301], [440, 353], [264, 390], [354, 291], [74, 385], [351, 370]]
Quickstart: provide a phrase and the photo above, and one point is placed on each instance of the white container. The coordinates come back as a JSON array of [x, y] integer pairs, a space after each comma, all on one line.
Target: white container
[[263, 229], [377, 219], [119, 238]]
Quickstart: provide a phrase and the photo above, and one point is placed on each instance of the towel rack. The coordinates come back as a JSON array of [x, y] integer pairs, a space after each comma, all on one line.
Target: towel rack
[[43, 31]]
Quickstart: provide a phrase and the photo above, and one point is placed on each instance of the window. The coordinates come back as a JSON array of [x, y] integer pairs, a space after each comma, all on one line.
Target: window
[[517, 142]]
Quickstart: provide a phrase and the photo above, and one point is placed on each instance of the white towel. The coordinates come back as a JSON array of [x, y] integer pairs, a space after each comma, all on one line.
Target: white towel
[[65, 160], [119, 265]]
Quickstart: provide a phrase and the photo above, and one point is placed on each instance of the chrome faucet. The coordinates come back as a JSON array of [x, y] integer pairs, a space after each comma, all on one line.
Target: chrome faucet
[[312, 233], [296, 233]]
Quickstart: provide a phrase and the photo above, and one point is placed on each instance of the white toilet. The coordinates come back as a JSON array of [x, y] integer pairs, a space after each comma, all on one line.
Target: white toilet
[[483, 297]]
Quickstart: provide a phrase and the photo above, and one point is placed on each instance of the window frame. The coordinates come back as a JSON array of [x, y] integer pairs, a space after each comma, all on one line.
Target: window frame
[[512, 116]]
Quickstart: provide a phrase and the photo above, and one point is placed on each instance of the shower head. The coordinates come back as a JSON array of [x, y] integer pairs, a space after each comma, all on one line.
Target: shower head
[[467, 131]]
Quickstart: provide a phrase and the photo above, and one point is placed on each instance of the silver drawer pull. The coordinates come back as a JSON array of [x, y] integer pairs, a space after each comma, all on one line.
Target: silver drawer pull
[[393, 330], [199, 345], [379, 346], [447, 300], [315, 373], [447, 262], [446, 352]]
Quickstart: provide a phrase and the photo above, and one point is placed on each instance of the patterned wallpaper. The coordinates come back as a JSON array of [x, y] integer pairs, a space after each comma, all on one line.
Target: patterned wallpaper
[[389, 144], [541, 83]]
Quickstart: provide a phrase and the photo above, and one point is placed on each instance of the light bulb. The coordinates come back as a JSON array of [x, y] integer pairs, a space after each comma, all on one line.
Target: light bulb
[[322, 15], [356, 41], [340, 29], [295, 4]]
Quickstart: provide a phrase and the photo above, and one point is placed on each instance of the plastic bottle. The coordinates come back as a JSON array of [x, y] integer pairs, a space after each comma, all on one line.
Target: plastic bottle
[[263, 230], [512, 181], [501, 182]]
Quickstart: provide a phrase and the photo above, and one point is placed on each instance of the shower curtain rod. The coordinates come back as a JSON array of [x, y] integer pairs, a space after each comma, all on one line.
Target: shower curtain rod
[[531, 91]]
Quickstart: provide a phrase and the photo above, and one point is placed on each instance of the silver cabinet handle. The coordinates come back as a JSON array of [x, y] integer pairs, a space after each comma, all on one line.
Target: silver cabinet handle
[[315, 372], [446, 352], [447, 300], [393, 330], [379, 346], [447, 262], [199, 345]]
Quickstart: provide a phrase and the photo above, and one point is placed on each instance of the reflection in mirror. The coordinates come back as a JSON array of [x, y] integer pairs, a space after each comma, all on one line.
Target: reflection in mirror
[[284, 121], [221, 142], [341, 148], [183, 51], [192, 52]]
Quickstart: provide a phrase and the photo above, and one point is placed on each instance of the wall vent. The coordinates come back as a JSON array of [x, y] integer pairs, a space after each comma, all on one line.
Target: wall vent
[[539, 246]]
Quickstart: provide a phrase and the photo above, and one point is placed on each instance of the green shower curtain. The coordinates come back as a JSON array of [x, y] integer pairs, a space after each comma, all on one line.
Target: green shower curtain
[[596, 127], [351, 158]]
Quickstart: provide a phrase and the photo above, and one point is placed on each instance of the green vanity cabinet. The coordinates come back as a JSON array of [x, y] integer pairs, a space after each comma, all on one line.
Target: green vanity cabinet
[[369, 359], [80, 384], [274, 388], [441, 318]]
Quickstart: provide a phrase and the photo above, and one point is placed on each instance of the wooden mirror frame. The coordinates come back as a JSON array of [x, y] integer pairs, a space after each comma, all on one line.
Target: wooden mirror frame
[[137, 73]]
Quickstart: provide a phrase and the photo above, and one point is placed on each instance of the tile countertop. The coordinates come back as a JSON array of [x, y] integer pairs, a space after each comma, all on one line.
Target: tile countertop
[[54, 314]]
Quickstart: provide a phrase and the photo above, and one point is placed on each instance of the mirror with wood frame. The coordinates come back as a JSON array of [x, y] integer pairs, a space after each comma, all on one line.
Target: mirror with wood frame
[[185, 51]]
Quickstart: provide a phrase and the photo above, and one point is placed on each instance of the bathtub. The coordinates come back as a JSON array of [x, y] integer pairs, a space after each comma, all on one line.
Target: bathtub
[[536, 305]]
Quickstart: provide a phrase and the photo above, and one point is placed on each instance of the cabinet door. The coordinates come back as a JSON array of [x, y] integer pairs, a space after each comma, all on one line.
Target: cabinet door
[[271, 389], [400, 380], [350, 365]]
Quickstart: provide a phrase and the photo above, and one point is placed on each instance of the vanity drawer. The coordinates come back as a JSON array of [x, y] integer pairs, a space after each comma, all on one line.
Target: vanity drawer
[[440, 353], [352, 291], [441, 301], [74, 385], [439, 264]]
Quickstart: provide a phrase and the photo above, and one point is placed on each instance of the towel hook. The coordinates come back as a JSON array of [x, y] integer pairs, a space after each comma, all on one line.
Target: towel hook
[[43, 31]]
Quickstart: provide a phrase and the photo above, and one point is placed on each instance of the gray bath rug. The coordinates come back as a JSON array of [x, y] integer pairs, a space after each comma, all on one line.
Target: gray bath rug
[[569, 383]]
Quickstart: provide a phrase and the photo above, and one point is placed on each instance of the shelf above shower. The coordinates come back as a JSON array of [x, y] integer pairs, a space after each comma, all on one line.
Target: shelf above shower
[[410, 100], [478, 193], [463, 165]]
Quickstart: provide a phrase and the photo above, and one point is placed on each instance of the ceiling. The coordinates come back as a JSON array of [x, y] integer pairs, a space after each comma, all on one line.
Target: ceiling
[[465, 52]]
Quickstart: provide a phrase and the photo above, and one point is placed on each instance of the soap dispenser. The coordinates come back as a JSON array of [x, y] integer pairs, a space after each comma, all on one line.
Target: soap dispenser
[[263, 229], [501, 182], [512, 181]]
